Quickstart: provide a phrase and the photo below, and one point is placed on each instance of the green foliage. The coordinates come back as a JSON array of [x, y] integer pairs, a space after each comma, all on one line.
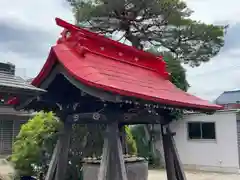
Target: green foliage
[[178, 75], [131, 143], [140, 137], [174, 67], [145, 147], [32, 140], [162, 23], [34, 144]]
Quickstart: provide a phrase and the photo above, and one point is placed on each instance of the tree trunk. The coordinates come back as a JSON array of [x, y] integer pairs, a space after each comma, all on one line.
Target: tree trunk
[[134, 40]]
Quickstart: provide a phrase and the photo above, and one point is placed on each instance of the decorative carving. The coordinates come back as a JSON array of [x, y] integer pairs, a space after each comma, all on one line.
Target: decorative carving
[[96, 116], [127, 117], [93, 41], [83, 93], [82, 50], [67, 34], [120, 54], [136, 59], [60, 106], [75, 117], [75, 105]]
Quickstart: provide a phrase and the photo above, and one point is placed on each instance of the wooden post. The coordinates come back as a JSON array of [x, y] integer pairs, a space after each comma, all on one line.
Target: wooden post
[[178, 164], [169, 159], [53, 162], [64, 141], [112, 165], [123, 139]]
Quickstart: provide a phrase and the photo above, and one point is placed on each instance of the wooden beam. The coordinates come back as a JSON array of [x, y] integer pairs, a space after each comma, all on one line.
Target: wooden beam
[[112, 164], [63, 156], [169, 159], [123, 119], [53, 162], [123, 137], [120, 164], [102, 175], [178, 164], [83, 118]]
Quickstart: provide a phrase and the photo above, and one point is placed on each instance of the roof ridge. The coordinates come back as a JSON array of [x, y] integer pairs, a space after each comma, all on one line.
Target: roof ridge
[[86, 41], [231, 91]]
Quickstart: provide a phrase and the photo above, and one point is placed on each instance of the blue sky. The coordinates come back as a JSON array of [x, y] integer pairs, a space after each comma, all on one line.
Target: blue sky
[[27, 31]]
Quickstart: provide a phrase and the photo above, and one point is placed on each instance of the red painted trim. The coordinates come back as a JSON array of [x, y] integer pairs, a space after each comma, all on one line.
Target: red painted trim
[[93, 41], [99, 37]]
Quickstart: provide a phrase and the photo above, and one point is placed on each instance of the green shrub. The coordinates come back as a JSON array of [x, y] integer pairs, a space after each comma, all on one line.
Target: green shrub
[[141, 140], [131, 143], [144, 147], [32, 140]]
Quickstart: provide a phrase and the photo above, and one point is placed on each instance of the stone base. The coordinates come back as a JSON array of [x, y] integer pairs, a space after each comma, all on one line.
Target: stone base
[[136, 169]]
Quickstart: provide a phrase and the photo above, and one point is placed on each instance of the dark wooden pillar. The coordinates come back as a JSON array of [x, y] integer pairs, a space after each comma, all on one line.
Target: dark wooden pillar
[[53, 162], [168, 155], [174, 166], [123, 137], [112, 165], [177, 161], [62, 161]]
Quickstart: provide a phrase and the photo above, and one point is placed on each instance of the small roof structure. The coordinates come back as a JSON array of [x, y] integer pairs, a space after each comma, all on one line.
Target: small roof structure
[[229, 97], [11, 85], [105, 64]]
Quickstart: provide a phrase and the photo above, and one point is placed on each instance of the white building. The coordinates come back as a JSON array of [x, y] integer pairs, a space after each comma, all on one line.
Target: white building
[[209, 142]]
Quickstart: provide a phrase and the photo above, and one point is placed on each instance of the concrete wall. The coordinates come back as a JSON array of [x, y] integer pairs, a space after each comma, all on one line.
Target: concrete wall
[[211, 155]]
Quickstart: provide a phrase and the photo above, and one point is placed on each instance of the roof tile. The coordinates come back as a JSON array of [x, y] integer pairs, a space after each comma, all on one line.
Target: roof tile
[[229, 97], [10, 81]]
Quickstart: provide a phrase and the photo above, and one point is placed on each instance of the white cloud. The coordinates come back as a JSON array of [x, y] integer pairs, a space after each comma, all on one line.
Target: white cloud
[[214, 10], [222, 72], [24, 67], [37, 15], [211, 79]]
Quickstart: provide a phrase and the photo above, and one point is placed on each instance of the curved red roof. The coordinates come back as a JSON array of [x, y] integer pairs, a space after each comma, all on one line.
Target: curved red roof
[[106, 64]]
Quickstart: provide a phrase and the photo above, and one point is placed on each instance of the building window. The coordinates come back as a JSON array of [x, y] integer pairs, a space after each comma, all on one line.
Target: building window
[[201, 130]]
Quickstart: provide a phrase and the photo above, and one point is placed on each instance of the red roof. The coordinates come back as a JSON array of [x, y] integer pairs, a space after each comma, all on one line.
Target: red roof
[[106, 64]]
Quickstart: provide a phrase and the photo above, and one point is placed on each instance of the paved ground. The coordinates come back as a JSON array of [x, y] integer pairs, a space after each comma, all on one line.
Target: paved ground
[[6, 170], [161, 175]]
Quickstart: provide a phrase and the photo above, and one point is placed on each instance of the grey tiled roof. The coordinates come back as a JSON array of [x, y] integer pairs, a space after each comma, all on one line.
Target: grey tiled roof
[[10, 81], [29, 80], [229, 97]]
